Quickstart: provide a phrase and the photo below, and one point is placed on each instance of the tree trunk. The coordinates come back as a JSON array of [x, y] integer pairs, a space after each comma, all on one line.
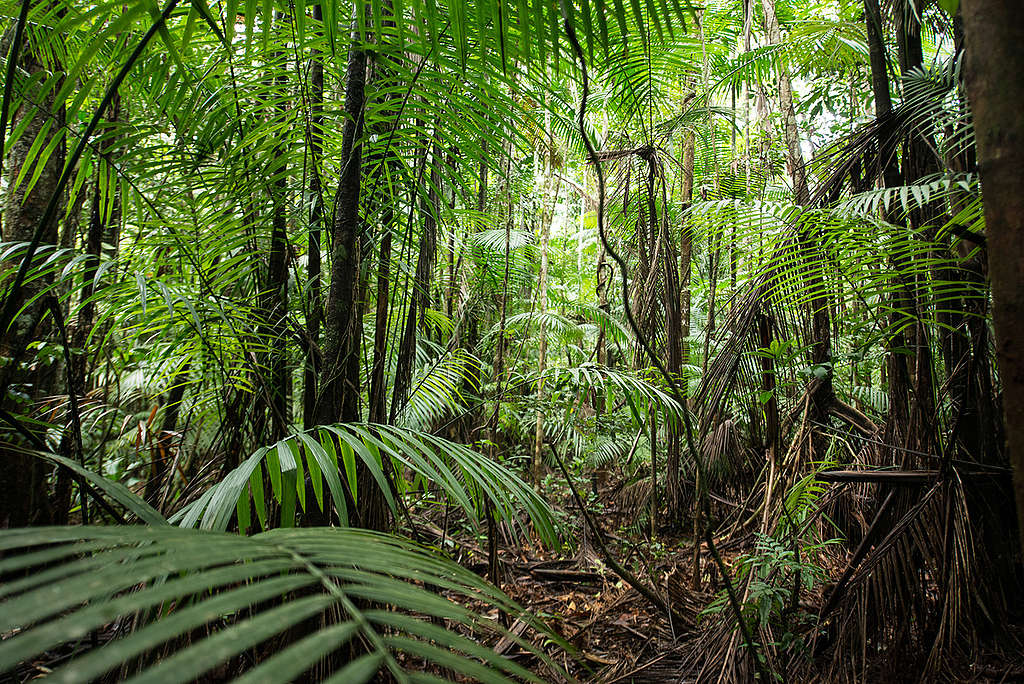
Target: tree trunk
[[23, 477], [821, 324], [794, 155], [316, 230], [339, 394], [378, 375], [275, 295], [994, 34], [378, 404], [686, 245], [546, 218], [104, 226], [338, 398], [420, 296]]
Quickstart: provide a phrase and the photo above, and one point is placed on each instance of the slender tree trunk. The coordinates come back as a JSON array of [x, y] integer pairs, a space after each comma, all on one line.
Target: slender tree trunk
[[542, 307], [601, 287], [499, 351], [316, 229], [918, 161], [275, 305], [821, 324], [994, 31], [378, 404], [681, 329], [794, 155], [104, 224], [685, 305], [898, 372], [420, 296], [378, 375], [714, 250], [166, 444]]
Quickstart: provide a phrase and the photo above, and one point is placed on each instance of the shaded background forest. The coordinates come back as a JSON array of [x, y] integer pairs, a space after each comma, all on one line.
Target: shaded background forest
[[696, 293]]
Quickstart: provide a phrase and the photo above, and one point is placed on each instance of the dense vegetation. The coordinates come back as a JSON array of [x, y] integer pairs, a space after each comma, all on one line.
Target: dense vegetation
[[340, 340]]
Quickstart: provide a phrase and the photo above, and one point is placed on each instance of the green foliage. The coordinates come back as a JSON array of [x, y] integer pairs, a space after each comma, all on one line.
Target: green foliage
[[333, 454], [769, 573], [189, 601]]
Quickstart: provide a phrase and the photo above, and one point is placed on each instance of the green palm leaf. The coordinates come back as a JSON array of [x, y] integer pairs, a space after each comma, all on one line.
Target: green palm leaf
[[208, 597], [330, 454]]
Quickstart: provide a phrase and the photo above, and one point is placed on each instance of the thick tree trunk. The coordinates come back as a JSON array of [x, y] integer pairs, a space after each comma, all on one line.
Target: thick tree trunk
[[338, 398], [23, 477], [994, 34], [339, 394]]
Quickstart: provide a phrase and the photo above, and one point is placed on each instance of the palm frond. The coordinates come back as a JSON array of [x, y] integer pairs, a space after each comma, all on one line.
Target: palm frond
[[193, 601], [330, 454]]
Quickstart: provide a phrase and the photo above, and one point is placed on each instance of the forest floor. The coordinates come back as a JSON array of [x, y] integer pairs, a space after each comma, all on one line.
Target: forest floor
[[619, 636], [611, 634]]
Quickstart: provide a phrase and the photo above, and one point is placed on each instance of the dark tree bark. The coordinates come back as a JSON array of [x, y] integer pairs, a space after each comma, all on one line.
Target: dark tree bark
[[378, 375], [338, 398], [339, 391], [23, 477], [316, 230], [275, 296], [897, 366], [378, 404], [880, 78], [166, 443], [420, 296], [104, 227], [994, 33], [821, 322]]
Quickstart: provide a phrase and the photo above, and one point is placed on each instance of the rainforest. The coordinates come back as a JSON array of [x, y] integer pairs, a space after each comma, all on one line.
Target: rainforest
[[511, 341]]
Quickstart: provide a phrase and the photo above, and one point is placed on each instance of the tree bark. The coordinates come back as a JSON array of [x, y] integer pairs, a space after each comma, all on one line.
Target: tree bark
[[275, 295], [994, 31], [420, 296], [686, 245], [23, 477], [794, 155], [546, 218], [338, 398], [339, 395], [316, 230], [821, 324]]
